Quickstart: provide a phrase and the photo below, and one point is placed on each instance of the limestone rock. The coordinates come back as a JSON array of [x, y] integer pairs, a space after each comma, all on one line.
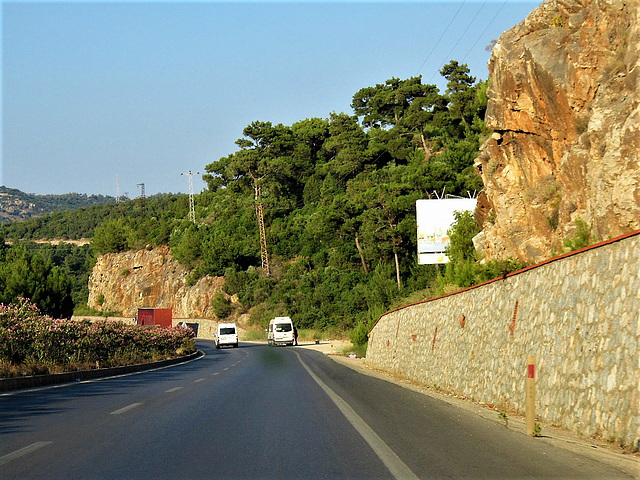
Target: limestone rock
[[564, 105], [149, 279]]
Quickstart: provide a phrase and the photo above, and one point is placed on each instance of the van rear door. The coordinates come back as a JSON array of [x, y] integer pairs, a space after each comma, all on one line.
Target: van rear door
[[283, 332]]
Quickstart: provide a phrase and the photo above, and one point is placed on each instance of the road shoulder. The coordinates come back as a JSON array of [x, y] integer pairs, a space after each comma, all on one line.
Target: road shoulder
[[595, 449]]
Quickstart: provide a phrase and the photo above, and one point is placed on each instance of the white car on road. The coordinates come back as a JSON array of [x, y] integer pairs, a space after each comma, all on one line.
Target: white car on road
[[226, 334]]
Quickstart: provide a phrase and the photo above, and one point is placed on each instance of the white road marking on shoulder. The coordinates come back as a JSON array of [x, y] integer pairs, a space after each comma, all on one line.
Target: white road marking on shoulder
[[174, 389], [395, 465], [126, 409], [23, 451]]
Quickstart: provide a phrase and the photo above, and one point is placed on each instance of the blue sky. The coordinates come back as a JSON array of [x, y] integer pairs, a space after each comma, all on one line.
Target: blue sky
[[147, 90]]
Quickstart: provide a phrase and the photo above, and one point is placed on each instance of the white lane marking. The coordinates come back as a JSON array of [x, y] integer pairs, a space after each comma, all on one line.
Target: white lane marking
[[214, 374], [23, 451], [395, 465], [225, 369], [126, 409], [199, 380], [175, 389]]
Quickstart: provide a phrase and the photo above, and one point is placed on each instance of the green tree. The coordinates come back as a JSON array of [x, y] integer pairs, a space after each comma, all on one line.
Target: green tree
[[386, 201], [462, 266], [26, 275], [221, 306], [112, 236], [407, 106], [460, 91]]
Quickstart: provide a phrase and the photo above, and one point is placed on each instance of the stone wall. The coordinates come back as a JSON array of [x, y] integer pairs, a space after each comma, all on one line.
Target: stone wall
[[578, 313]]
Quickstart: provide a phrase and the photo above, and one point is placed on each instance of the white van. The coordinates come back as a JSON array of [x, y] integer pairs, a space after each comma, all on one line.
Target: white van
[[226, 334], [280, 331]]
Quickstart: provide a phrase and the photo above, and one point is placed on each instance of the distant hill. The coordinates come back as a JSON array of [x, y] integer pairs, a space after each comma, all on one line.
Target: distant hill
[[17, 205]]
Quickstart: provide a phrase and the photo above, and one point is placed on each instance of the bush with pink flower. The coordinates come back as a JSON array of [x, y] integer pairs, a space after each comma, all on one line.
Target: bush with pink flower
[[31, 342]]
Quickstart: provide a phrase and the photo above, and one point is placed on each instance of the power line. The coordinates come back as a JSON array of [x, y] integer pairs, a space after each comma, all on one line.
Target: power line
[[441, 36], [462, 36], [485, 29]]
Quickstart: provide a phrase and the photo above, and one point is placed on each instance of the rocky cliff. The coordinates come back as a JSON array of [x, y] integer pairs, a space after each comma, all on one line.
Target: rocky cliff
[[149, 278], [564, 106]]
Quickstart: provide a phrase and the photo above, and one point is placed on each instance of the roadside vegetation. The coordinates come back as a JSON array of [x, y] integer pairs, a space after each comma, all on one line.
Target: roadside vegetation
[[32, 343]]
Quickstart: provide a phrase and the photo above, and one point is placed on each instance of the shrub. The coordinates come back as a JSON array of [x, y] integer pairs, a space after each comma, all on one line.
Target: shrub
[[29, 338], [221, 306], [581, 237]]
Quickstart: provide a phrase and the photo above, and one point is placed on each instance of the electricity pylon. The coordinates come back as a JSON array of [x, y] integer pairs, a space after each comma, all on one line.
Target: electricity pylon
[[264, 254], [192, 209], [142, 196]]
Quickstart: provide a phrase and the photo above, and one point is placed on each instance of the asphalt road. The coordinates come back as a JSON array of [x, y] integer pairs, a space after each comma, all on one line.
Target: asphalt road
[[262, 412]]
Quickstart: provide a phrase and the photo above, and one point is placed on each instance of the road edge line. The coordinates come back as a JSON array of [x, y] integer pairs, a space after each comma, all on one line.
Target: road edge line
[[396, 466]]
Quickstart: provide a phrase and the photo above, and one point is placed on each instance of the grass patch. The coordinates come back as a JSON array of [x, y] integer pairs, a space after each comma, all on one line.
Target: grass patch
[[359, 351], [254, 334]]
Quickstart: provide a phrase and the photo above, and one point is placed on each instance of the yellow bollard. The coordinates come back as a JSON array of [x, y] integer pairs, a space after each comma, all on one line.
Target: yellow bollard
[[530, 413]]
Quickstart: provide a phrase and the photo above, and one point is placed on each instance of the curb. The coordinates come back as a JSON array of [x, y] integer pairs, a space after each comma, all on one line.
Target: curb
[[19, 383]]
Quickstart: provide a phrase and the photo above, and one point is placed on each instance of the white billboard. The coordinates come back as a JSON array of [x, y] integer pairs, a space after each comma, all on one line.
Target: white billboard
[[434, 218]]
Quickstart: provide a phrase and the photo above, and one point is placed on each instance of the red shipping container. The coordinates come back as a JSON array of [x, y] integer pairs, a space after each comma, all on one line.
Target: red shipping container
[[155, 316]]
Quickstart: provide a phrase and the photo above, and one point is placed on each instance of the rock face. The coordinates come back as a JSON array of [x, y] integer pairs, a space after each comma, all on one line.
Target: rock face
[[564, 105], [149, 278]]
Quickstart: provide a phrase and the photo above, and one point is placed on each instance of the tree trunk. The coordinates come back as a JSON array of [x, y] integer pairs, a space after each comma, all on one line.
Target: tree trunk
[[364, 263], [395, 255], [427, 150]]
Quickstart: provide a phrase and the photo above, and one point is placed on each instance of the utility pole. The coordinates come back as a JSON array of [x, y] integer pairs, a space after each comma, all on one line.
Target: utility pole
[[264, 254], [142, 196], [192, 210]]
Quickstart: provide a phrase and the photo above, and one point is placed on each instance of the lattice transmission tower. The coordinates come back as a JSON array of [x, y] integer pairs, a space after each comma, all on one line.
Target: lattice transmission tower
[[192, 203], [142, 196], [264, 254]]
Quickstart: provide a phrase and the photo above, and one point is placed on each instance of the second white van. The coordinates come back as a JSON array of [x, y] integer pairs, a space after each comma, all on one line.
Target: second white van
[[280, 331]]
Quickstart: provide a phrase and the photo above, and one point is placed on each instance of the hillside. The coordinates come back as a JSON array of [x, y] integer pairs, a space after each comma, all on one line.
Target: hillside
[[81, 222], [17, 205], [337, 196]]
